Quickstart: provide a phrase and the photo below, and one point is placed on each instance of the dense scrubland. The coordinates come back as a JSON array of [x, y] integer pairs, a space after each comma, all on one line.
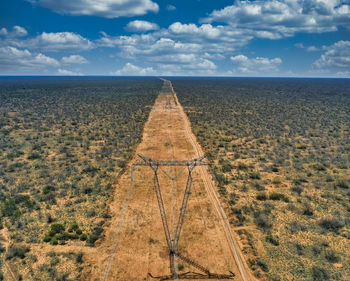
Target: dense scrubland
[[281, 148], [63, 143]]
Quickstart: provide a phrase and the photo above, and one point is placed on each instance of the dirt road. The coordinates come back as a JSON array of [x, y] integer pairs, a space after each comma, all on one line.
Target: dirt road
[[134, 241]]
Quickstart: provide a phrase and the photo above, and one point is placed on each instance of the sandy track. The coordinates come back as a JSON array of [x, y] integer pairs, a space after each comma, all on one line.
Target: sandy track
[[135, 232]]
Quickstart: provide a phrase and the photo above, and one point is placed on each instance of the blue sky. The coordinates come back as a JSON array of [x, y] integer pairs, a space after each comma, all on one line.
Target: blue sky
[[294, 38]]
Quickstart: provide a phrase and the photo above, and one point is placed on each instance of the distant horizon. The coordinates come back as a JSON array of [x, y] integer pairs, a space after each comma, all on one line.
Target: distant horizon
[[172, 76]]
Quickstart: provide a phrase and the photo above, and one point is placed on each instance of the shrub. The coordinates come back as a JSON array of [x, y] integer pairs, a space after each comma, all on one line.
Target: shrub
[[254, 175], [297, 189], [319, 273], [332, 256], [242, 166], [278, 196], [319, 167], [262, 265], [47, 189], [272, 239], [308, 210], [54, 241], [79, 258], [93, 237], [57, 228], [261, 196], [263, 221], [342, 183], [33, 156], [274, 169], [83, 237], [331, 223], [10, 209], [299, 248], [225, 166], [296, 227], [47, 238], [17, 252]]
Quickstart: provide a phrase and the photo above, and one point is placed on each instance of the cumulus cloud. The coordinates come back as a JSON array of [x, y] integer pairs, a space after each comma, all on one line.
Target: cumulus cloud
[[3, 31], [17, 31], [74, 59], [133, 70], [256, 65], [205, 41], [312, 49], [100, 8], [335, 59], [276, 19], [17, 60], [20, 31], [141, 26], [65, 72], [58, 41], [48, 42], [309, 48], [206, 30], [170, 7]]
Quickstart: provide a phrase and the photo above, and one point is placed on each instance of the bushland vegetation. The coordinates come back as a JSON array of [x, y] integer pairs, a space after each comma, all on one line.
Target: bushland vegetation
[[281, 149], [63, 143]]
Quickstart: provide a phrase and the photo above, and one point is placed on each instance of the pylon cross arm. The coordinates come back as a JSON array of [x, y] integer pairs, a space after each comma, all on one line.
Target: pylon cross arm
[[152, 162]]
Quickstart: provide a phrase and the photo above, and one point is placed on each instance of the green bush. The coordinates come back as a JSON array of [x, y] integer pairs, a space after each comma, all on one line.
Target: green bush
[[320, 274], [272, 239], [57, 228], [331, 223], [10, 209], [93, 237], [263, 221], [342, 183], [278, 197], [332, 256], [261, 196], [254, 175]]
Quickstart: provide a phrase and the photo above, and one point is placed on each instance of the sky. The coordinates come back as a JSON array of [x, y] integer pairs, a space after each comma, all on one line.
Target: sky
[[262, 38]]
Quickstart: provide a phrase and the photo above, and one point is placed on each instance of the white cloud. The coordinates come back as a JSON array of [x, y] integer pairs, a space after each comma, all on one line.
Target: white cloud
[[308, 48], [58, 41], [300, 45], [3, 31], [48, 42], [335, 59], [17, 60], [276, 19], [74, 59], [206, 64], [17, 31], [65, 72], [20, 31], [312, 49], [141, 26], [170, 7], [206, 30], [256, 65], [133, 70], [101, 8]]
